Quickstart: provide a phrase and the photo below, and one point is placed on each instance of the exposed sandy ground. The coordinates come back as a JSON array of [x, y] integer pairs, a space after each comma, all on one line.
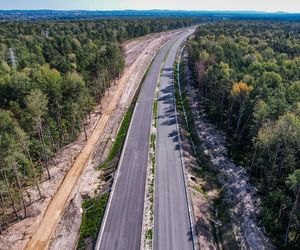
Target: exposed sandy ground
[[68, 164]]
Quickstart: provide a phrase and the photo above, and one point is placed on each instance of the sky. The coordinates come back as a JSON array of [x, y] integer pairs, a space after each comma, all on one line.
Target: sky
[[258, 5]]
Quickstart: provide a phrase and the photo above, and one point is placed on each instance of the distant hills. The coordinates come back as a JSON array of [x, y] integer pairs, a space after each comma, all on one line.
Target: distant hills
[[9, 15]]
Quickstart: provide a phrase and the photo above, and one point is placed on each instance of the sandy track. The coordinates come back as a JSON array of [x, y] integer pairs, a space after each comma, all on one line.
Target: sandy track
[[42, 234]]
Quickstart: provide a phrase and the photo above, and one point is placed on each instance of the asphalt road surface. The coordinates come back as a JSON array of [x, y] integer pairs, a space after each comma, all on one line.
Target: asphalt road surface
[[122, 224], [172, 227]]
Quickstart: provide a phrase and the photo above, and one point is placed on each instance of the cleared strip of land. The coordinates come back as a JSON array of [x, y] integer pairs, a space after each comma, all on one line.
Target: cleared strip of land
[[122, 225]]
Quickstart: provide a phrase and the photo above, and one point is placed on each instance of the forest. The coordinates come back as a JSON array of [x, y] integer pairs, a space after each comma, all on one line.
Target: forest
[[248, 75], [52, 74]]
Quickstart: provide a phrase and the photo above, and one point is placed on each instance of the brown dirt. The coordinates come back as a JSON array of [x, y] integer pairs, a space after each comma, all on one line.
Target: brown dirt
[[69, 163]]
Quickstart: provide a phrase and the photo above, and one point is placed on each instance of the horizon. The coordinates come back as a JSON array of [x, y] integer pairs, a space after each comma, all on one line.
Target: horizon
[[269, 6], [145, 10]]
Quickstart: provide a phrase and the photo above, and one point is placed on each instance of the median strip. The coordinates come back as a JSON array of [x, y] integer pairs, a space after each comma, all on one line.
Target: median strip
[[148, 221], [147, 238]]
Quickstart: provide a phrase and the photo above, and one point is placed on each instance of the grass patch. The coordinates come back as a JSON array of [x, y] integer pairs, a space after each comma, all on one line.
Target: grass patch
[[199, 189], [120, 138], [149, 234], [115, 151], [153, 140], [155, 112], [93, 212]]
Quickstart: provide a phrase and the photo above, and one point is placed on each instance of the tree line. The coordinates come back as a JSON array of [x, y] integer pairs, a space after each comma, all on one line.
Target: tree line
[[57, 72], [248, 75]]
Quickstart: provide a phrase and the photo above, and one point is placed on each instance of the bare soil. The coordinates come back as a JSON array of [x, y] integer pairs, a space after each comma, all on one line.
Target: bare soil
[[74, 168]]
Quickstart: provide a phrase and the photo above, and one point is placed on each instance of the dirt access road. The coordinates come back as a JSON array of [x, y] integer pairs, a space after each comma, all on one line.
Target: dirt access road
[[131, 77]]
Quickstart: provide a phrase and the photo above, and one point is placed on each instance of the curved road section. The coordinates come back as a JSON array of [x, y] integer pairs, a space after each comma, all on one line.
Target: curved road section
[[172, 225], [122, 224]]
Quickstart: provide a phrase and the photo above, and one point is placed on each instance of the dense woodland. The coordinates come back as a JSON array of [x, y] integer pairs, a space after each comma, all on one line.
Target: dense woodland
[[52, 74], [248, 75]]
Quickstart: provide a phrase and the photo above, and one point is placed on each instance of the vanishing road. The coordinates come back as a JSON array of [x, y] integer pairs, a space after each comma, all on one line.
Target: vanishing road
[[122, 224], [172, 226]]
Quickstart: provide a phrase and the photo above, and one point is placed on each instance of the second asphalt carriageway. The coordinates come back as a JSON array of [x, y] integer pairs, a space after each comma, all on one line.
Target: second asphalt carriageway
[[172, 225], [121, 227]]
